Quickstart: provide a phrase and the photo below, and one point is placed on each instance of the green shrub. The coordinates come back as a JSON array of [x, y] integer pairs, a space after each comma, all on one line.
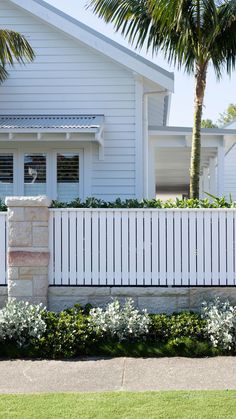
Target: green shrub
[[71, 333], [67, 335], [120, 322], [221, 324], [145, 203], [3, 207], [20, 322], [177, 326]]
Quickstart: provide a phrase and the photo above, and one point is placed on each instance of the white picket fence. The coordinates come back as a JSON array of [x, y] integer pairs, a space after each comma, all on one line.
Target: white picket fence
[[142, 247], [3, 248]]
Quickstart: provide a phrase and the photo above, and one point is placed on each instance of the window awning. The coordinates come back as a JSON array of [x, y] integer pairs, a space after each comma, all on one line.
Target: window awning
[[46, 124]]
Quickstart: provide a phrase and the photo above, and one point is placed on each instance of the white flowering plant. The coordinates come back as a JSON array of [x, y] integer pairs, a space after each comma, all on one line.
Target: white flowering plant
[[221, 323], [20, 321], [123, 322]]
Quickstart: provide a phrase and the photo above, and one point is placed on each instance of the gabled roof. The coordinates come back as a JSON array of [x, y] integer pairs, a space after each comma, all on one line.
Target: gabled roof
[[97, 41]]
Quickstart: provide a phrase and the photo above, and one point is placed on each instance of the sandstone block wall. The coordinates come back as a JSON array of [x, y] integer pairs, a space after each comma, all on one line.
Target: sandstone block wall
[[155, 300], [3, 296]]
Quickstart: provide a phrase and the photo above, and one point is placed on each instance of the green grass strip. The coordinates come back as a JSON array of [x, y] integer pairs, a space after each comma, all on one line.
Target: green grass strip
[[121, 405]]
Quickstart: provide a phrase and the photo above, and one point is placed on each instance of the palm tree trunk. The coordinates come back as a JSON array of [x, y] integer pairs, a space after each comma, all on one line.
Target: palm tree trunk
[[200, 85]]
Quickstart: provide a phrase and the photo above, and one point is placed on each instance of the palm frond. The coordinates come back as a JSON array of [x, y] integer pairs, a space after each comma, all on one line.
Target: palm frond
[[14, 47]]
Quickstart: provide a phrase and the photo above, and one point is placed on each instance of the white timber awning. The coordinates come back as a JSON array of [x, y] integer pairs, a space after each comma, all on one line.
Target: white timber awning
[[67, 128], [169, 151]]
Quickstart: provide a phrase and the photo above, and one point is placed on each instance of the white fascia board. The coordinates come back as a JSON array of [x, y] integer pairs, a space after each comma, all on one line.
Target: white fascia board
[[99, 42]]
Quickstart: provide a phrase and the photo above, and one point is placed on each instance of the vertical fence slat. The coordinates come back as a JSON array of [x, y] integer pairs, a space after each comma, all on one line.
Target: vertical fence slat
[[207, 248], [51, 269], [117, 242], [132, 248], [103, 249], [170, 248], [162, 226], [72, 248], [223, 247], [200, 254], [147, 248], [94, 235], [110, 249], [140, 249], [155, 246], [234, 239], [65, 248], [177, 249], [3, 249], [125, 248], [58, 248], [87, 249], [215, 248], [192, 249], [185, 248], [80, 248], [230, 248]]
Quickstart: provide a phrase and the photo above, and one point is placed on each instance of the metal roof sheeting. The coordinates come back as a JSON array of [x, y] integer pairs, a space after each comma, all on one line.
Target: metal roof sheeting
[[44, 122]]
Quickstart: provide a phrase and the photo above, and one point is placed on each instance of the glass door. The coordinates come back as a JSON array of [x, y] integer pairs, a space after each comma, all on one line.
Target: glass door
[[35, 174], [68, 177]]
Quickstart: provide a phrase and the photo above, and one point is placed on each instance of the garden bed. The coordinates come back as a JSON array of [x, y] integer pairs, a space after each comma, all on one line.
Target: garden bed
[[28, 331]]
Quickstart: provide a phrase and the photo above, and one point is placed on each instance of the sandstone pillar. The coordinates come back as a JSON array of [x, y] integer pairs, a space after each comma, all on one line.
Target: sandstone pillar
[[28, 252]]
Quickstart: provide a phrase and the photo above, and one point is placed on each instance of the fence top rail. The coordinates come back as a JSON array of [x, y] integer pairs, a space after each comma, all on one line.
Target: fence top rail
[[141, 209], [3, 213]]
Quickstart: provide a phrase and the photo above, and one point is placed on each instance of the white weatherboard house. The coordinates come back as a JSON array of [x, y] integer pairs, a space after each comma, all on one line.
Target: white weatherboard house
[[89, 118]]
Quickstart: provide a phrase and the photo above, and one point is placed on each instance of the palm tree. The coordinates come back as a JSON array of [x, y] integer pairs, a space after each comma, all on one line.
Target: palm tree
[[14, 47], [191, 34]]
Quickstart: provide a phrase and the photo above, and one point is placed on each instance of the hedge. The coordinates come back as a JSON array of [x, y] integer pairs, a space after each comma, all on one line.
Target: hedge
[[145, 203], [69, 335]]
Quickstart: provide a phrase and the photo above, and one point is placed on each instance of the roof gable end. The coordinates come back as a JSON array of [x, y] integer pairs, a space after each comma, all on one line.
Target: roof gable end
[[97, 41]]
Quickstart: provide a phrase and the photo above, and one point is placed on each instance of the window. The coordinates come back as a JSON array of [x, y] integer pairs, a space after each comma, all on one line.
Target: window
[[35, 174], [67, 176], [6, 175]]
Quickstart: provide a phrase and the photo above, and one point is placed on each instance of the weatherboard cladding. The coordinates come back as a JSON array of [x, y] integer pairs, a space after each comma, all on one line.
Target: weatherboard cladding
[[62, 122], [147, 63]]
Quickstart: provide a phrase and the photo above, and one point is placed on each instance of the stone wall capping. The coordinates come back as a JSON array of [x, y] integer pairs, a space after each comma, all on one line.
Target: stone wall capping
[[28, 249], [28, 201]]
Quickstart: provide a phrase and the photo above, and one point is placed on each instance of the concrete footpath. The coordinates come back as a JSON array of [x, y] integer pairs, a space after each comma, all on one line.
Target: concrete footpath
[[117, 374]]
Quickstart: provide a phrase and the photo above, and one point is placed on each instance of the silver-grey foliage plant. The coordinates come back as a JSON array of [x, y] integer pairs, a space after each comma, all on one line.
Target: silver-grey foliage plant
[[120, 321], [20, 321], [221, 323]]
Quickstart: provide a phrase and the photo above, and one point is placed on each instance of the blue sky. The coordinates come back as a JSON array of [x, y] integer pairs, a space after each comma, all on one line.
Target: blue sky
[[218, 94]]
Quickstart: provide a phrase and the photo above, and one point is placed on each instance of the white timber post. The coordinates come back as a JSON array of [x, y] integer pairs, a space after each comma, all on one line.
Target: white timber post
[[205, 182], [212, 170], [28, 248], [151, 171], [145, 146], [220, 172], [200, 186]]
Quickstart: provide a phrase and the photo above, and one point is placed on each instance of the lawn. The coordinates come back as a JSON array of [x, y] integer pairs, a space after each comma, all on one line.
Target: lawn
[[121, 405]]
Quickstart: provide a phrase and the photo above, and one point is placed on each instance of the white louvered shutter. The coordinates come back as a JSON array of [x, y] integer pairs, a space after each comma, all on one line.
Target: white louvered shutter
[[6, 175]]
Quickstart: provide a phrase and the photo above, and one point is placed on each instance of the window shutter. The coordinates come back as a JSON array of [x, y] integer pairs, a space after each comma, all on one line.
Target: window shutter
[[6, 175]]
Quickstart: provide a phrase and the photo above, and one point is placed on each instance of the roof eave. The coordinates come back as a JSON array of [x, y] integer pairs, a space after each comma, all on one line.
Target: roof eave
[[160, 130]]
